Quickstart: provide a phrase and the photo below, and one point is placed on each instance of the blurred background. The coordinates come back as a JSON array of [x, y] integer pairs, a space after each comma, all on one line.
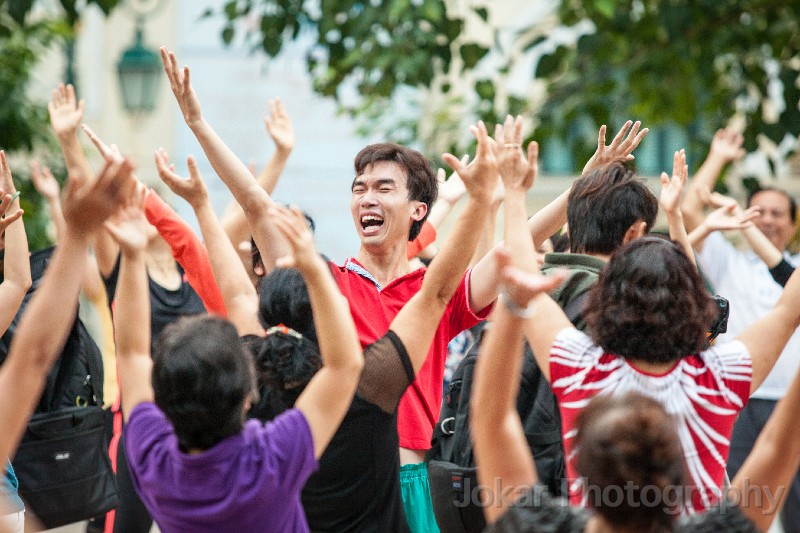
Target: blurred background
[[419, 72]]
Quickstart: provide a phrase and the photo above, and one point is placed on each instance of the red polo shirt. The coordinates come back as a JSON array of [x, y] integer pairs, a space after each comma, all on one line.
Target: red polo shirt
[[373, 310]]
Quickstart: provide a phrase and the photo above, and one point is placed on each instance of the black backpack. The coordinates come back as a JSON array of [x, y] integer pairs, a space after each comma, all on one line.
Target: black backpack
[[451, 465], [63, 469]]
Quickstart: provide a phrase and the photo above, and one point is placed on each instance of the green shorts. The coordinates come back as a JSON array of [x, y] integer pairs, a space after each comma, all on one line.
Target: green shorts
[[416, 495]]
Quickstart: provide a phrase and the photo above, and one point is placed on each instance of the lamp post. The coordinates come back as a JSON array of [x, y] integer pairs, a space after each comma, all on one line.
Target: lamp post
[[139, 71]]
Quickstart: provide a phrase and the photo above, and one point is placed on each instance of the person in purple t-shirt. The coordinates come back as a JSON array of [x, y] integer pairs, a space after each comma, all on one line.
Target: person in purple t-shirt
[[194, 461]]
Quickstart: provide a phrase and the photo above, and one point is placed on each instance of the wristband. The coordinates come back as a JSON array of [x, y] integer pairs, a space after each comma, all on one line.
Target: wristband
[[514, 309]]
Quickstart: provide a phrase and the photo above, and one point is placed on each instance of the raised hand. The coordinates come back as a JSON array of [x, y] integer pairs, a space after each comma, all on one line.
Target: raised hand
[[181, 85], [108, 152], [129, 227], [521, 287], [293, 225], [624, 143], [6, 180], [88, 203], [192, 189], [672, 188], [515, 171], [727, 145], [44, 182], [279, 125], [731, 217], [65, 111], [479, 176], [450, 190], [5, 204]]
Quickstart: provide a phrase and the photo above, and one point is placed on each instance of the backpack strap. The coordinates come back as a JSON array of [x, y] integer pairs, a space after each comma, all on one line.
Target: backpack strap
[[575, 308]]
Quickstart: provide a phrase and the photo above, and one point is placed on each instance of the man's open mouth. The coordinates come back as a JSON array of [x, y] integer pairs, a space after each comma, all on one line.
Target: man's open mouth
[[371, 223]]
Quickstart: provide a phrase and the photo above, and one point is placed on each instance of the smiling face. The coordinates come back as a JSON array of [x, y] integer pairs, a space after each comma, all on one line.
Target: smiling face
[[775, 221], [382, 211]]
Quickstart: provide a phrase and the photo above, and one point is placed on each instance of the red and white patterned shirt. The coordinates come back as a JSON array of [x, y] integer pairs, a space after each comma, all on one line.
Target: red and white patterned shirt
[[703, 392]]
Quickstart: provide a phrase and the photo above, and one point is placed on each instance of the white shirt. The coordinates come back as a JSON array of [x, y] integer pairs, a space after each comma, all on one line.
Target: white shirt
[[744, 279]]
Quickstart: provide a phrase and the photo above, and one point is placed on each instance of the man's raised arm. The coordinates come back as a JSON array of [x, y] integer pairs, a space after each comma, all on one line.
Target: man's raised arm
[[255, 201]]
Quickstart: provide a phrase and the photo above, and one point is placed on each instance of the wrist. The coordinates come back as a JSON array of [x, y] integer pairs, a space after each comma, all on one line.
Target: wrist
[[517, 310], [283, 150], [195, 123], [66, 136]]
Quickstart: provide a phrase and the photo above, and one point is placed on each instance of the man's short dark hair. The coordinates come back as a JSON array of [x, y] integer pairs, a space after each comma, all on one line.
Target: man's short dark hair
[[420, 177], [792, 203], [201, 379], [603, 205]]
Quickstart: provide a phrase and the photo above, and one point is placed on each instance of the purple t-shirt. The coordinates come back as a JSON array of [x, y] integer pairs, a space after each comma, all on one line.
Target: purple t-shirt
[[248, 482]]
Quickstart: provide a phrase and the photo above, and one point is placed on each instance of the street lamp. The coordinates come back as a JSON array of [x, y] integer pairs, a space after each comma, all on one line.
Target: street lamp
[[139, 71]]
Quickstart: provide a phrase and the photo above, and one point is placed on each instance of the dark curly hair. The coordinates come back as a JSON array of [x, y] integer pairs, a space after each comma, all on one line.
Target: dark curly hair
[[603, 205], [284, 365], [420, 177], [650, 303], [283, 299], [629, 441], [201, 379]]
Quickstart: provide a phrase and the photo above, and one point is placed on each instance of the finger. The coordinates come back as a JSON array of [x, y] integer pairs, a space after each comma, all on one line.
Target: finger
[[280, 109], [286, 261], [518, 129], [5, 202], [676, 163], [508, 129], [498, 133], [194, 170], [62, 93], [187, 83], [664, 180], [533, 153], [482, 136], [636, 140], [167, 65], [16, 215], [631, 135], [36, 175], [56, 100], [684, 175], [601, 137], [4, 168], [70, 94], [273, 108], [620, 134], [441, 176], [751, 213], [453, 162], [96, 141]]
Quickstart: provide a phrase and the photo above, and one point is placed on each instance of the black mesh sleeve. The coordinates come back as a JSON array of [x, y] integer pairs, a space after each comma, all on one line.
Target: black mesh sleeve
[[387, 372], [782, 272]]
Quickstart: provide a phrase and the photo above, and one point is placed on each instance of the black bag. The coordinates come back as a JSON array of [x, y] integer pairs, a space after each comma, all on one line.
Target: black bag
[[451, 465], [62, 462], [63, 466]]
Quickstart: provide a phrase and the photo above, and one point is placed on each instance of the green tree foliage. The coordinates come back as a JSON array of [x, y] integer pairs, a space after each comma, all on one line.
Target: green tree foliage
[[372, 48], [25, 36], [682, 64], [689, 63]]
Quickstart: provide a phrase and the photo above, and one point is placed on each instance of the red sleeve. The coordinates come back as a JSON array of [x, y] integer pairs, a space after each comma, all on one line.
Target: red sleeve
[[460, 314], [427, 235], [187, 250]]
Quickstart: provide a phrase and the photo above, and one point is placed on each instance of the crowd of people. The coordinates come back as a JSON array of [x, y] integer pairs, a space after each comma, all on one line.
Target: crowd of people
[[262, 387]]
